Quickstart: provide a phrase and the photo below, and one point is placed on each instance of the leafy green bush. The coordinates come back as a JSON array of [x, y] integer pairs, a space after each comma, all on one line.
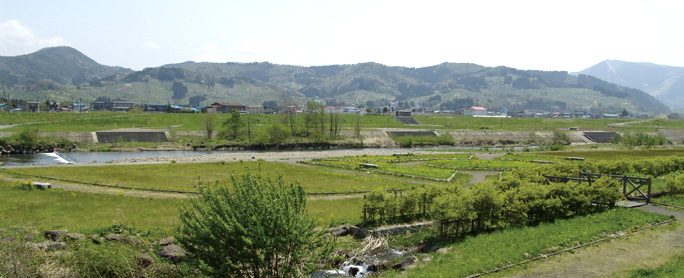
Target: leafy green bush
[[258, 229], [675, 183]]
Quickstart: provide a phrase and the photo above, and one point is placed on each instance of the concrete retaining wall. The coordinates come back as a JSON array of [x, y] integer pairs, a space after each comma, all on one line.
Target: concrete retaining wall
[[113, 137]]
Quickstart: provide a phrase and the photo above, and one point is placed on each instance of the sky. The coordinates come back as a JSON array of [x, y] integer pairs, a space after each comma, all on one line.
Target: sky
[[534, 35]]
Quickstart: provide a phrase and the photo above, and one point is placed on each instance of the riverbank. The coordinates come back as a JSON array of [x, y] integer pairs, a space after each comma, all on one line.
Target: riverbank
[[279, 156]]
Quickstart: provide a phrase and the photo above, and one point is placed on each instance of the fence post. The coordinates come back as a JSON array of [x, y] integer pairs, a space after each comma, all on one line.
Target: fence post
[[624, 185], [648, 198]]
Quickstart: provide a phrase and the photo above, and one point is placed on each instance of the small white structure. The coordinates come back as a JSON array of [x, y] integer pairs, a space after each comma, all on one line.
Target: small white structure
[[475, 111]]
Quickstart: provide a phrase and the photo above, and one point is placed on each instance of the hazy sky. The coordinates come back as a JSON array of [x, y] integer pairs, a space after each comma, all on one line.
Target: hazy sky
[[545, 35]]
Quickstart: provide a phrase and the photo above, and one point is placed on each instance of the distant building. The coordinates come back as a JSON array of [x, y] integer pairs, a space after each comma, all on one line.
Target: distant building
[[225, 107], [114, 105], [81, 107], [403, 113], [255, 109], [157, 108], [475, 111], [120, 106]]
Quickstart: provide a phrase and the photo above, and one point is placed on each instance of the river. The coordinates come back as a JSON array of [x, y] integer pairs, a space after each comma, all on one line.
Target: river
[[100, 157]]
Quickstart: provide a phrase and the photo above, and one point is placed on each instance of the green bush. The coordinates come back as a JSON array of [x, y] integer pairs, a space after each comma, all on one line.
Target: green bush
[[675, 183], [258, 229]]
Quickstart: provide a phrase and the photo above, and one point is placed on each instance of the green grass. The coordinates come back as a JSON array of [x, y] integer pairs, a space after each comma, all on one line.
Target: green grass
[[85, 212], [677, 200], [483, 164], [418, 169], [475, 254], [94, 121], [626, 155], [672, 268], [472, 123], [182, 176], [88, 212]]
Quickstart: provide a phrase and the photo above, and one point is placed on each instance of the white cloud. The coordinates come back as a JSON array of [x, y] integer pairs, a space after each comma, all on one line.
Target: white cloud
[[210, 53], [150, 45], [16, 39]]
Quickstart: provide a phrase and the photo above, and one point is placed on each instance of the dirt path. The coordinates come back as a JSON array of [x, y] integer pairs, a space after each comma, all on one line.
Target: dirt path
[[613, 259], [107, 190], [479, 176]]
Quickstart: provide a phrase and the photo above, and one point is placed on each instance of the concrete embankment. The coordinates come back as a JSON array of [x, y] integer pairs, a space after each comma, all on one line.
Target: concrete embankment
[[378, 138]]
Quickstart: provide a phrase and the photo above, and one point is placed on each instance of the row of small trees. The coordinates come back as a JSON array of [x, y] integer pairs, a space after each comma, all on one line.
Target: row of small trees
[[523, 198], [631, 140], [315, 124]]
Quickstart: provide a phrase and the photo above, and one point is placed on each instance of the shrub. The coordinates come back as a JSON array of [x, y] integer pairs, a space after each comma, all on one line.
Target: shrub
[[675, 184], [260, 229]]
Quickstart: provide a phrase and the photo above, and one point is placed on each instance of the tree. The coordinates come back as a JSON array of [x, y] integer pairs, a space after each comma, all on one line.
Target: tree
[[624, 112], [278, 133], [209, 125], [179, 90], [260, 228], [314, 118], [234, 122]]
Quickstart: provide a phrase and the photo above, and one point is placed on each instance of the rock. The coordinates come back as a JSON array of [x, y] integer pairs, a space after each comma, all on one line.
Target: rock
[[75, 236], [167, 241], [358, 233], [340, 231], [50, 246], [6, 239], [328, 274], [56, 246], [2, 230], [405, 263], [172, 252], [55, 235], [145, 259], [444, 250], [96, 239], [115, 237]]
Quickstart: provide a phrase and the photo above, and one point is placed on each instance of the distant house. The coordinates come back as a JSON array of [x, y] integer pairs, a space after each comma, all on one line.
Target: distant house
[[475, 111], [225, 107], [157, 108], [100, 105], [114, 105], [255, 109], [120, 106], [79, 107], [31, 106]]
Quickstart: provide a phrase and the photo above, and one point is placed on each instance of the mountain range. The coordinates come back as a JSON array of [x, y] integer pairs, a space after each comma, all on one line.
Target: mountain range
[[63, 73], [666, 83]]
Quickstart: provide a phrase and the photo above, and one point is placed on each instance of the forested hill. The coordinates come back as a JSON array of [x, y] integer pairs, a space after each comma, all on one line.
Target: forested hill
[[63, 65], [447, 86], [665, 83]]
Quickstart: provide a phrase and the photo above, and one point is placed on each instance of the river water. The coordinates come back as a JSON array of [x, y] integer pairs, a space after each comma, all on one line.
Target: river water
[[89, 157]]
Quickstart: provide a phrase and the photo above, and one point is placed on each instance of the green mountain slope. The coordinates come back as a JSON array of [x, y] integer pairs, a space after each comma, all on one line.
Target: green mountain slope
[[63, 65], [447, 86]]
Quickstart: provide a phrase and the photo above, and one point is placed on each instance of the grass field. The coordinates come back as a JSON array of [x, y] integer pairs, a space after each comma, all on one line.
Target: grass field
[[96, 121], [488, 251], [177, 176], [87, 212]]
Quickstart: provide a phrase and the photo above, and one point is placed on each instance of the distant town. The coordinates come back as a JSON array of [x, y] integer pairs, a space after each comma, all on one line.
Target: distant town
[[19, 105]]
